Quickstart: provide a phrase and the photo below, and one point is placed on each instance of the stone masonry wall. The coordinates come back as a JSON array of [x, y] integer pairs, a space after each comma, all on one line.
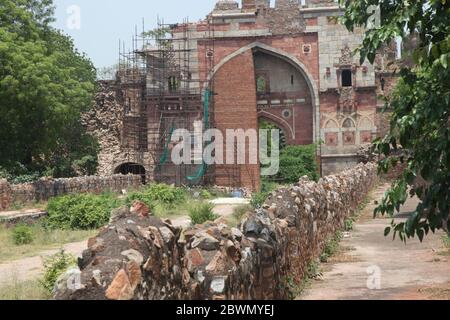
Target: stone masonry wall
[[5, 194], [141, 257], [46, 188]]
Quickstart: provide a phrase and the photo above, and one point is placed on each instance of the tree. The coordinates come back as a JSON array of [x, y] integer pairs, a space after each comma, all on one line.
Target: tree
[[420, 108], [45, 85]]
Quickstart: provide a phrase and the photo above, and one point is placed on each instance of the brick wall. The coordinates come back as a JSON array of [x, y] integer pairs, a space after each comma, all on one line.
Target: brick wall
[[44, 189], [235, 108], [145, 258]]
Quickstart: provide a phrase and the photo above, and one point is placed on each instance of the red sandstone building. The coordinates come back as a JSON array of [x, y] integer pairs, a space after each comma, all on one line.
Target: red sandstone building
[[290, 65]]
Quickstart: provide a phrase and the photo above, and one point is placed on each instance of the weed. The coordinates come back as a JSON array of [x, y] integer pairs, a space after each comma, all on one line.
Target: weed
[[202, 213], [331, 247], [22, 235], [296, 289], [55, 266], [258, 199], [349, 224]]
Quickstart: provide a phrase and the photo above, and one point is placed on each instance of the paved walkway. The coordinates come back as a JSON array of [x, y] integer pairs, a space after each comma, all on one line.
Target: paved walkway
[[392, 270]]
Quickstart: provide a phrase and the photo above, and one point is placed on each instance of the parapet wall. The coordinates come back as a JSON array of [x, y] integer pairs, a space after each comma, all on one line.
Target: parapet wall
[[45, 189], [137, 257]]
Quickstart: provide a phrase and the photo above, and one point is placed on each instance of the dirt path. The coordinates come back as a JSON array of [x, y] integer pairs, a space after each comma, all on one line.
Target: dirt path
[[392, 270], [31, 268]]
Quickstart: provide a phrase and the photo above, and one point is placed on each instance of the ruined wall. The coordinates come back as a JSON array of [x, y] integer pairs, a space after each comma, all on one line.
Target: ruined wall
[[105, 121], [5, 194], [139, 257], [46, 188]]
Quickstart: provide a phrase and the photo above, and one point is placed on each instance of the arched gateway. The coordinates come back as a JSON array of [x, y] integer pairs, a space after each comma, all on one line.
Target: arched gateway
[[255, 82]]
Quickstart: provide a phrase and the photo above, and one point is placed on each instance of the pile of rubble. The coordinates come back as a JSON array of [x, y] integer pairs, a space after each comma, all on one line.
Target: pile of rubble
[[140, 257]]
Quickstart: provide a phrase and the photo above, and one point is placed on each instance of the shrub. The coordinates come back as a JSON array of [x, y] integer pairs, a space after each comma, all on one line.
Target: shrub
[[296, 162], [202, 213], [82, 211], [86, 166], [331, 247], [158, 193], [167, 194], [22, 234], [54, 267], [140, 196], [19, 175], [258, 198], [349, 224], [205, 194]]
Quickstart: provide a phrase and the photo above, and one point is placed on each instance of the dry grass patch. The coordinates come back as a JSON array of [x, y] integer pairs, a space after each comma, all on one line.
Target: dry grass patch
[[42, 239], [23, 290]]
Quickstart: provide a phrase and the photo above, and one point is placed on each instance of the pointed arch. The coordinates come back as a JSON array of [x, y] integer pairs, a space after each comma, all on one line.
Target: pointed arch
[[279, 122], [294, 61], [365, 123], [348, 123], [331, 124]]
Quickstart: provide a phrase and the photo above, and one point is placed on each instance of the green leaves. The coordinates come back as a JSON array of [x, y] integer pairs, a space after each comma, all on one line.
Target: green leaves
[[45, 85], [387, 231], [420, 106], [296, 162]]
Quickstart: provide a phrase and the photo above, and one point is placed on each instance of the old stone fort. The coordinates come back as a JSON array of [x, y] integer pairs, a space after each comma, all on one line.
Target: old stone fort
[[290, 64]]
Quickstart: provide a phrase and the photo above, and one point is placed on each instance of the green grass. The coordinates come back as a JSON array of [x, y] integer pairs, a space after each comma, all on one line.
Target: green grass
[[331, 247], [42, 240], [295, 290], [446, 241], [23, 290], [183, 208], [349, 224]]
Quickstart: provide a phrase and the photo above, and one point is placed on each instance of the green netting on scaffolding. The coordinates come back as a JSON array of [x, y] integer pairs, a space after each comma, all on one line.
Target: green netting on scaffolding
[[165, 154], [202, 170]]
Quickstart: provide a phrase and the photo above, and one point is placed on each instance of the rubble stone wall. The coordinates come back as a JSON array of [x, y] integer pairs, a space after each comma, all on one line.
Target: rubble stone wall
[[140, 257], [5, 194], [46, 188]]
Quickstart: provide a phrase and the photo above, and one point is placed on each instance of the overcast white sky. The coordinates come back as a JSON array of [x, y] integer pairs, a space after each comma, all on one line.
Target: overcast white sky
[[104, 22]]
